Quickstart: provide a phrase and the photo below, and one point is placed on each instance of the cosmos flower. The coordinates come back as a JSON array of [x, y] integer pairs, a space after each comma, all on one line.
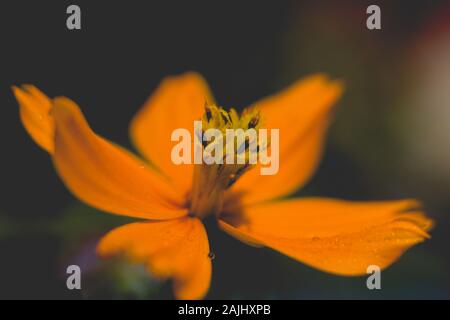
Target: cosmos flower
[[170, 201]]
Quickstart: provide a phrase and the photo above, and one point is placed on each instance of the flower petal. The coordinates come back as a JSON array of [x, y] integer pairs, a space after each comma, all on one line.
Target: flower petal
[[302, 114], [103, 174], [35, 115], [175, 249], [335, 236], [178, 101]]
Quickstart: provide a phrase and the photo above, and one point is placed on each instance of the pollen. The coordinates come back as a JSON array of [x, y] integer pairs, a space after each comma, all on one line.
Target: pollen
[[218, 118], [238, 139]]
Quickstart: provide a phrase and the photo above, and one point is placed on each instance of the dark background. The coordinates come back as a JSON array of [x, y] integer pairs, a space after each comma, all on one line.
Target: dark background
[[246, 50]]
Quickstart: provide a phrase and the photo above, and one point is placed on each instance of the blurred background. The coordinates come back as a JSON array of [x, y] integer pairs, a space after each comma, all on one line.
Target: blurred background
[[390, 138]]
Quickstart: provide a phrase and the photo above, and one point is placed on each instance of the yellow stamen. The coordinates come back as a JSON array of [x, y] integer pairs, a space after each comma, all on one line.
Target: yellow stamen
[[211, 180]]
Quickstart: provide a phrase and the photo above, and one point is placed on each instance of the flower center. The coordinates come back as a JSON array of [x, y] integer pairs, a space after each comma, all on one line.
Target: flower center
[[234, 146]]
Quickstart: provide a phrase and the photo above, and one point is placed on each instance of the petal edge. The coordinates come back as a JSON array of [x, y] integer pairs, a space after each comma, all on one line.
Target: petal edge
[[334, 236]]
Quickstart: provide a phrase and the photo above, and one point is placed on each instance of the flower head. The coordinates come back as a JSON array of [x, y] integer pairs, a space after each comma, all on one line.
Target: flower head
[[335, 236]]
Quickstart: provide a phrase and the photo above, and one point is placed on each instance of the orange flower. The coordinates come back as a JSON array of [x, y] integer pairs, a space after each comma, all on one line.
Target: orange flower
[[335, 236]]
